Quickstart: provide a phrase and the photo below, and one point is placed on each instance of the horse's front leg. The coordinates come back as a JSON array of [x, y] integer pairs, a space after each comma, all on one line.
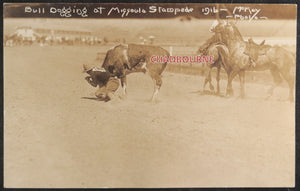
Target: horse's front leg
[[277, 80], [208, 80], [242, 83], [231, 75], [218, 79]]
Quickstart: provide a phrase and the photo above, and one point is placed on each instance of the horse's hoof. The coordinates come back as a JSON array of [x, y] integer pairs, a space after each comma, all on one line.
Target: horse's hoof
[[115, 100], [151, 101], [242, 96], [229, 93], [123, 97]]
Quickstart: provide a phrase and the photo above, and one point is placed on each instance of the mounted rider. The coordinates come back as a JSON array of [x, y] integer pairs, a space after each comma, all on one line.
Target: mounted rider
[[216, 38]]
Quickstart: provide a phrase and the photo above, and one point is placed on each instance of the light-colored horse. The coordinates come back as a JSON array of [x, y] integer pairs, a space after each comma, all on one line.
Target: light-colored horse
[[243, 54], [278, 60], [237, 61]]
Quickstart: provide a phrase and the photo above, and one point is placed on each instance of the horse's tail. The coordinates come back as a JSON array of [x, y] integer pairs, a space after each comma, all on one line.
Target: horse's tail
[[294, 56], [224, 54], [293, 65]]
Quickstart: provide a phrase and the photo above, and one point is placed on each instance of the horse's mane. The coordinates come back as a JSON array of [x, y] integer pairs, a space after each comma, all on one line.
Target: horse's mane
[[231, 32], [237, 32]]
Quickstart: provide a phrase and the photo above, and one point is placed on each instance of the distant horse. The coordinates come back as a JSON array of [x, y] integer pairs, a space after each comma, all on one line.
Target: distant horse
[[278, 60]]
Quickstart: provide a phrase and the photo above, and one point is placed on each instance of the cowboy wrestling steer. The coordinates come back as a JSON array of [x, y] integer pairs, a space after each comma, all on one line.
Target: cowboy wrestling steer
[[125, 59], [107, 83]]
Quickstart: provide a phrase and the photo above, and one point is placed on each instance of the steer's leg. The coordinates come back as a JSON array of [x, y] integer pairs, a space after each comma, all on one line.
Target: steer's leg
[[124, 85], [157, 84], [144, 67]]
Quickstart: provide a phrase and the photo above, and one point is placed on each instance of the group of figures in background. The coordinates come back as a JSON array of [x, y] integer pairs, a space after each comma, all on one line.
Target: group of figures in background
[[26, 35], [231, 52]]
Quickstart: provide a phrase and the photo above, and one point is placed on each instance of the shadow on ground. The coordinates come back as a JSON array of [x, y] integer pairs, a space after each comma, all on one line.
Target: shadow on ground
[[206, 92], [94, 98]]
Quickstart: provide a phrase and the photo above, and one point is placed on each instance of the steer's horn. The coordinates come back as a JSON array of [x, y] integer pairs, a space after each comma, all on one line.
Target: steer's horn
[[262, 43]]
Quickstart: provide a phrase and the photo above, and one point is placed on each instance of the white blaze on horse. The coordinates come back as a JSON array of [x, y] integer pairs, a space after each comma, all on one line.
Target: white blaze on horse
[[122, 60]]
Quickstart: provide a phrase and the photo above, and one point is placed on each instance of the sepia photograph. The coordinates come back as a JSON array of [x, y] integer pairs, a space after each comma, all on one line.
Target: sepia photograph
[[141, 95]]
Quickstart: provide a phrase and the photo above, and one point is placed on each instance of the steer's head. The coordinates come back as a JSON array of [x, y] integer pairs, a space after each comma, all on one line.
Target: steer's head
[[254, 50]]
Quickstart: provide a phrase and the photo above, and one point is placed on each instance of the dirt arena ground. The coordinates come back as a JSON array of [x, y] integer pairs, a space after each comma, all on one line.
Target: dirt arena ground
[[55, 138]]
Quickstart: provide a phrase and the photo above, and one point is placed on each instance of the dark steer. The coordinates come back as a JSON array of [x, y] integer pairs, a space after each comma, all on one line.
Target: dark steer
[[124, 59]]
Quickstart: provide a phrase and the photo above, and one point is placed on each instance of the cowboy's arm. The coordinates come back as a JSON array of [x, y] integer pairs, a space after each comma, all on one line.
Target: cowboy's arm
[[207, 43]]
